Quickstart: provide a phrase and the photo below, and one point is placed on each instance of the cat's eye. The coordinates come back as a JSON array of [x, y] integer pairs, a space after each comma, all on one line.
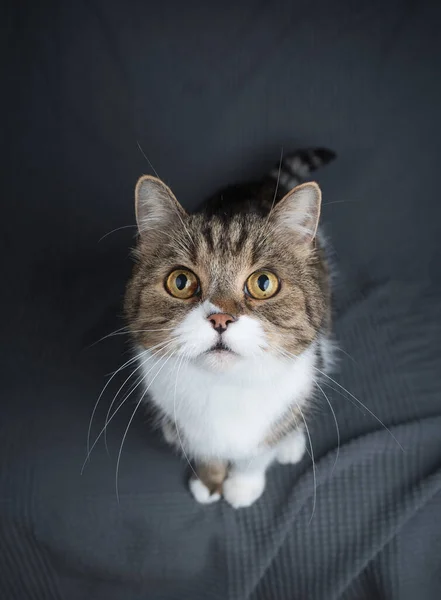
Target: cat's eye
[[182, 283], [262, 285]]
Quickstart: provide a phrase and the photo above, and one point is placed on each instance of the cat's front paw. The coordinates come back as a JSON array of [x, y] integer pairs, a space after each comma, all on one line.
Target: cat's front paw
[[243, 490], [291, 450], [201, 492]]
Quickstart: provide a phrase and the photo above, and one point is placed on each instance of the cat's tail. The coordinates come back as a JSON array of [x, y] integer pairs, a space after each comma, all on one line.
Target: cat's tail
[[297, 167]]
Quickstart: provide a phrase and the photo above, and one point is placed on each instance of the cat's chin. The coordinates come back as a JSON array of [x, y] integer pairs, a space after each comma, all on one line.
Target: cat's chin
[[218, 360]]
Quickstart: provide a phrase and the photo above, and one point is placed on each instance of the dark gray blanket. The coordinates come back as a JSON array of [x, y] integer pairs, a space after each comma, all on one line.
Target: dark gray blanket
[[212, 94]]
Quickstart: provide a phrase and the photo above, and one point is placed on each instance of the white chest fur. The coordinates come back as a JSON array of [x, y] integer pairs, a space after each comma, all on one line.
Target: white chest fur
[[227, 415]]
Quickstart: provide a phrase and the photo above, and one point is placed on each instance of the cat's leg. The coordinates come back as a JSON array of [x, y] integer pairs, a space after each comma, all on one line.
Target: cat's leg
[[207, 486], [246, 480], [291, 448], [169, 432]]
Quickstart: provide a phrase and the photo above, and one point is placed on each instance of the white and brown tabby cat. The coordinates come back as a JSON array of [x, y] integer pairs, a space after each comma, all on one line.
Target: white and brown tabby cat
[[229, 308]]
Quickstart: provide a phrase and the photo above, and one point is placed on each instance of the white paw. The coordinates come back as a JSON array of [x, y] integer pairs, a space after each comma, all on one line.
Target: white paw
[[202, 493], [243, 490], [291, 450]]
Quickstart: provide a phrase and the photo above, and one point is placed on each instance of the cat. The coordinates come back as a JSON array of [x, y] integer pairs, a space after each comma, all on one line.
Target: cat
[[229, 311]]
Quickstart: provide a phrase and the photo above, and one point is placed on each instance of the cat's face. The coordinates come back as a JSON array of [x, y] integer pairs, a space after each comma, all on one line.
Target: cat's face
[[221, 292]]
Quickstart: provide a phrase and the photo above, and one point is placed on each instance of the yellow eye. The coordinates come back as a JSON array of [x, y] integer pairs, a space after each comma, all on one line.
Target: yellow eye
[[262, 285], [182, 283]]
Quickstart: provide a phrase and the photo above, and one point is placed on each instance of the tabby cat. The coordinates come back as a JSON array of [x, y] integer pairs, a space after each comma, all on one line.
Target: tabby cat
[[229, 310]]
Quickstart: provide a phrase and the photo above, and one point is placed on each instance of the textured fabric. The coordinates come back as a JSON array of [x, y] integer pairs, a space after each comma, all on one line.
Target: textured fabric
[[212, 93]]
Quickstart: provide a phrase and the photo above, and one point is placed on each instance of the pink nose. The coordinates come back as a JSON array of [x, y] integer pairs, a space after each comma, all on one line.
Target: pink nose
[[220, 321]]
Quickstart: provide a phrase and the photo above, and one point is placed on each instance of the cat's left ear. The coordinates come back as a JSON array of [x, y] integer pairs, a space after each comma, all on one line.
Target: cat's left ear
[[155, 205], [299, 211]]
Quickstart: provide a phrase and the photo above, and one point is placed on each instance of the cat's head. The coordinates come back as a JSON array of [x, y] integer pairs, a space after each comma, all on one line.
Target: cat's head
[[222, 291]]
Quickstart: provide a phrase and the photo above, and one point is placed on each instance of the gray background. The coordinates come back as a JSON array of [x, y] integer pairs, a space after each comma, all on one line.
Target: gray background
[[212, 93]]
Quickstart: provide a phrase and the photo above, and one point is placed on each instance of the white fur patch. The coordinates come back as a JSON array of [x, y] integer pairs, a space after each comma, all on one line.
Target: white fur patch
[[195, 333], [201, 493], [242, 490], [223, 406], [328, 347], [170, 434], [291, 449]]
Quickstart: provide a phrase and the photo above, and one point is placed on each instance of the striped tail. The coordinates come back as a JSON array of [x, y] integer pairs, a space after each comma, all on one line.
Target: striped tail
[[298, 166]]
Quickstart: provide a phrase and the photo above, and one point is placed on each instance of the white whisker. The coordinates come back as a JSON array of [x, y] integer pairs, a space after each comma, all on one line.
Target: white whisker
[[128, 332], [176, 240], [131, 419], [341, 202], [132, 360], [175, 420], [114, 230], [335, 389], [347, 354], [336, 423], [181, 220], [286, 353], [314, 476], [146, 330], [161, 347], [277, 184], [264, 230], [148, 161], [121, 330], [363, 405], [113, 414]]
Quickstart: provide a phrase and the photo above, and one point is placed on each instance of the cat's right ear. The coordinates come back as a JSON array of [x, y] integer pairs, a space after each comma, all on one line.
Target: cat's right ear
[[155, 205], [299, 211]]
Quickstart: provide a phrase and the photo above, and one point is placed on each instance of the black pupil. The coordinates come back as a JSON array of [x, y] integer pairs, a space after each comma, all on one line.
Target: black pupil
[[263, 282], [181, 281]]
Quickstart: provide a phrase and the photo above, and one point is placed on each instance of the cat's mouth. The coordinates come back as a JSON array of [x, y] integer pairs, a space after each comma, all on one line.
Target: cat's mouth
[[221, 348], [219, 357]]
